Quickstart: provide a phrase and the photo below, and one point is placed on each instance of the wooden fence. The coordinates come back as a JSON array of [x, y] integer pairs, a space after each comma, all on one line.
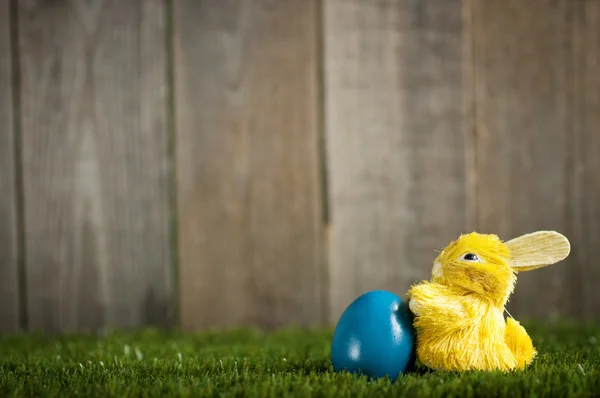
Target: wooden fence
[[216, 163]]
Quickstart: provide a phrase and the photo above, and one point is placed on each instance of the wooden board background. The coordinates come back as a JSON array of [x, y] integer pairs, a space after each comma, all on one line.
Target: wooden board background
[[582, 272], [248, 186], [313, 150], [9, 275], [95, 164], [536, 136], [397, 124]]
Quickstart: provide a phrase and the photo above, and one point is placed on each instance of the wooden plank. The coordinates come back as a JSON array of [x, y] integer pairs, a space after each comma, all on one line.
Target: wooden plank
[[583, 273], [9, 280], [397, 124], [97, 172], [524, 89], [250, 228]]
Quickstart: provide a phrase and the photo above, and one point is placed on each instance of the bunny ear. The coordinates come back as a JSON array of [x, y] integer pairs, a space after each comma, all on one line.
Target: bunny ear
[[538, 249]]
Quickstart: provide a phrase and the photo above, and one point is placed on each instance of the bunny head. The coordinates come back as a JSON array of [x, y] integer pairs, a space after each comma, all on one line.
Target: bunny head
[[483, 264]]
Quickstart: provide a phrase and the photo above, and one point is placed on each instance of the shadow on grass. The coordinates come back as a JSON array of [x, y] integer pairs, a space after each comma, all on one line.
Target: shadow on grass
[[326, 367]]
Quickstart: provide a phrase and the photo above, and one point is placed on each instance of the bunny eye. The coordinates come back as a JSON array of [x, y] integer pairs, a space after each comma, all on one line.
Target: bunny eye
[[470, 257]]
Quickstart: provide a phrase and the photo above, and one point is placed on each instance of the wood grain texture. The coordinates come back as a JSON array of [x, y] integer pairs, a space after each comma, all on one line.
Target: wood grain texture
[[397, 124], [524, 94], [250, 228], [96, 164], [583, 273], [9, 281]]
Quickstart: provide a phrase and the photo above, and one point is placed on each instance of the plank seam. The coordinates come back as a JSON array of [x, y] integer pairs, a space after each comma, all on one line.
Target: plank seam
[[322, 148], [473, 167], [572, 148], [170, 69], [18, 163]]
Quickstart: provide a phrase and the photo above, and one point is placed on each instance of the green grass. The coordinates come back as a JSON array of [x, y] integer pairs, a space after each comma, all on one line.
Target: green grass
[[283, 363]]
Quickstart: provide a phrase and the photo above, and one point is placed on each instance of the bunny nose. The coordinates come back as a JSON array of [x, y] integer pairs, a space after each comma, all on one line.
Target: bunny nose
[[436, 272]]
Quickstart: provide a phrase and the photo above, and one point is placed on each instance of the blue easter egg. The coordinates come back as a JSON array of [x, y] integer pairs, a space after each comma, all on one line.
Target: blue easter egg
[[374, 336]]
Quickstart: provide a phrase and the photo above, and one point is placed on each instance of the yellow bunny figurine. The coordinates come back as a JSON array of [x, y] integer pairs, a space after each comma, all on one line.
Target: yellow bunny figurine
[[459, 313]]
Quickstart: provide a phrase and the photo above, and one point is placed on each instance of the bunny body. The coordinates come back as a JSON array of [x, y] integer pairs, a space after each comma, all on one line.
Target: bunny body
[[459, 313], [460, 331]]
